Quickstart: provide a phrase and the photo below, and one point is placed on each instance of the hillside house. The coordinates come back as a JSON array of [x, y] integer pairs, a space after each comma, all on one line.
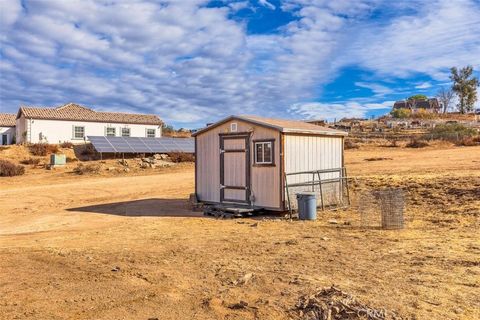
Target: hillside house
[[7, 128], [73, 123], [430, 105]]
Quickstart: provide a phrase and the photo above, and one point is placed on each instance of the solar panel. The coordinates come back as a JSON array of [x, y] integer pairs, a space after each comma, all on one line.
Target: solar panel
[[101, 144], [142, 145]]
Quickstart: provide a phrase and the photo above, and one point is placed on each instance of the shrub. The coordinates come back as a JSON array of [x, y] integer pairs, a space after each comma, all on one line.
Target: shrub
[[70, 159], [401, 113], [66, 145], [424, 114], [181, 157], [452, 131], [349, 144], [32, 161], [85, 169], [89, 150], [42, 149], [415, 143], [9, 169], [468, 141]]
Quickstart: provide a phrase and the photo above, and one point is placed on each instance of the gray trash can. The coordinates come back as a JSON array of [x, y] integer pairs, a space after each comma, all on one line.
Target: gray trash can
[[307, 206]]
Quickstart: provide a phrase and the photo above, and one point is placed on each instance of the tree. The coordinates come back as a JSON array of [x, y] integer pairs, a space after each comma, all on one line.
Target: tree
[[465, 86], [445, 95], [417, 97]]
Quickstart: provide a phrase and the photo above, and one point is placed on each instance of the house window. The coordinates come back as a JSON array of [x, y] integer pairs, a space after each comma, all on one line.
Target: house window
[[151, 133], [264, 152], [125, 132], [78, 132], [233, 127], [111, 132]]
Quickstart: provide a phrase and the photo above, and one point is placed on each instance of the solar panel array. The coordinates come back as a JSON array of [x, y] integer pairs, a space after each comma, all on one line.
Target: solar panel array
[[142, 145]]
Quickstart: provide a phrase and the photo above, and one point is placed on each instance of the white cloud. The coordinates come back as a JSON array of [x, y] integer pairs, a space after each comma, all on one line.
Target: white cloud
[[330, 111], [191, 63], [423, 85], [267, 4], [377, 89], [9, 13], [440, 35]]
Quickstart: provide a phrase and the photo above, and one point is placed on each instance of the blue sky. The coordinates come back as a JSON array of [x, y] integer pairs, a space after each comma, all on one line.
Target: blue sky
[[196, 61]]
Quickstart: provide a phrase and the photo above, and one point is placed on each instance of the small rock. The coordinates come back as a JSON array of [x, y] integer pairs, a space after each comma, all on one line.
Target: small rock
[[240, 305], [333, 221], [117, 268], [254, 224], [244, 280], [291, 242], [111, 169], [126, 170], [324, 238]]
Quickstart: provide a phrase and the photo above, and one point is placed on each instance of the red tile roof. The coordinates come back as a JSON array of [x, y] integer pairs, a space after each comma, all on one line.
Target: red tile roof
[[75, 112], [7, 119]]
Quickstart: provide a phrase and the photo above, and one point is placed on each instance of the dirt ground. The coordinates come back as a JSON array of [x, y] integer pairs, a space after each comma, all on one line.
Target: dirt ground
[[128, 247]]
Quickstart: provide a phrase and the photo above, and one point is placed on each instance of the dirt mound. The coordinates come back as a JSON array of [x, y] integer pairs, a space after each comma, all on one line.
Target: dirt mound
[[332, 303]]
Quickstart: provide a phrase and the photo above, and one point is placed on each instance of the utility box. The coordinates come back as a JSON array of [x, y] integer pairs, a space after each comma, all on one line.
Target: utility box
[[307, 205], [57, 160]]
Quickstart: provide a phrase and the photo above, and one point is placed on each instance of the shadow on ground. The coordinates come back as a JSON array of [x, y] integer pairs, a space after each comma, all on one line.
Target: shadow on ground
[[143, 208]]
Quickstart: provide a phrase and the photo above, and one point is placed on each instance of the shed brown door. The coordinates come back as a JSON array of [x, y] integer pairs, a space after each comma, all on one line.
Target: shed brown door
[[235, 169]]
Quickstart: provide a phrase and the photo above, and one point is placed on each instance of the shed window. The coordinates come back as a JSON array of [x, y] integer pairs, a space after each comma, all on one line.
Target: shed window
[[78, 132], [264, 152], [125, 132], [111, 132], [151, 133], [233, 127]]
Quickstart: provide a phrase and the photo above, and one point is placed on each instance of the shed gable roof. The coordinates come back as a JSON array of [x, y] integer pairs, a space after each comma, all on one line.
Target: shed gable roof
[[75, 112], [282, 125], [7, 120]]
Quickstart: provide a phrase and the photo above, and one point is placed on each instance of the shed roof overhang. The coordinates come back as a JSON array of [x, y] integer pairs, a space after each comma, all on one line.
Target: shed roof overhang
[[292, 126]]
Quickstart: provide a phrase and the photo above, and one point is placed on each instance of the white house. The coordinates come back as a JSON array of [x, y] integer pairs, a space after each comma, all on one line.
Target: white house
[[7, 128], [73, 123]]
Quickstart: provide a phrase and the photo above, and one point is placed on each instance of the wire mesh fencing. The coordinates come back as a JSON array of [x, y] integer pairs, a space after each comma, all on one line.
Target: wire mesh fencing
[[382, 209], [330, 187]]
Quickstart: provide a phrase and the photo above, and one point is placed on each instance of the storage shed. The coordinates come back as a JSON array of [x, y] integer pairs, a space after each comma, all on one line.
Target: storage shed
[[251, 161]]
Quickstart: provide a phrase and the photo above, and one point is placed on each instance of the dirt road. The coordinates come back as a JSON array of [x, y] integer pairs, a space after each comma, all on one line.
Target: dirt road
[[129, 248]]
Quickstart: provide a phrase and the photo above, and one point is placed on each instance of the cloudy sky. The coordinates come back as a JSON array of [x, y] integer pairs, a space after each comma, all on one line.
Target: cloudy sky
[[195, 61]]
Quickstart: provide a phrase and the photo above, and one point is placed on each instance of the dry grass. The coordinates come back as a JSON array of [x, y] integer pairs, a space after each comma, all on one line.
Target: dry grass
[[129, 247], [91, 168]]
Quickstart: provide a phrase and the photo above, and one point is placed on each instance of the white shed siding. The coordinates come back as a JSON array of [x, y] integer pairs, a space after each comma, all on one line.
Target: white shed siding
[[9, 132], [307, 153], [57, 131]]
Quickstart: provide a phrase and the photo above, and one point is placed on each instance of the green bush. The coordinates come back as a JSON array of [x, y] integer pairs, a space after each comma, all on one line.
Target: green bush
[[454, 129], [401, 113], [9, 169]]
